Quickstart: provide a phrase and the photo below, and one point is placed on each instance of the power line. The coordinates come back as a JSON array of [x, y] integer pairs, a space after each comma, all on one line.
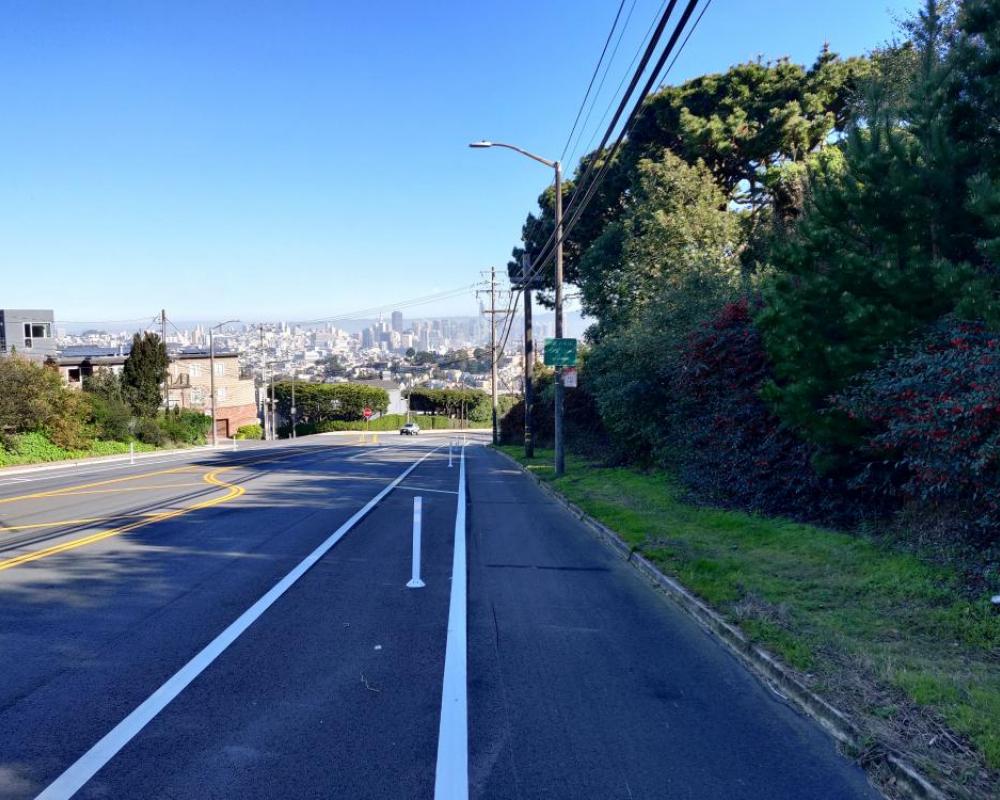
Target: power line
[[593, 77], [621, 83], [422, 300], [604, 77], [577, 206], [548, 249]]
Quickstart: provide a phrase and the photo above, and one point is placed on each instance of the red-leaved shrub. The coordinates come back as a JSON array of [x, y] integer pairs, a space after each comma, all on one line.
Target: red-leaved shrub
[[737, 452], [934, 424]]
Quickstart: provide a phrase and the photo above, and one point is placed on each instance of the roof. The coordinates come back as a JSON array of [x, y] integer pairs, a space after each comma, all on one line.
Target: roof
[[77, 354]]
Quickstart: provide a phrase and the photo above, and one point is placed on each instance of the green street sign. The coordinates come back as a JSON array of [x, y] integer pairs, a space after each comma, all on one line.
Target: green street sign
[[560, 352]]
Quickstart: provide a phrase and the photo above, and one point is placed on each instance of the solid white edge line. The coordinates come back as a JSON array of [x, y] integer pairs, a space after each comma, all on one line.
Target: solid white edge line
[[451, 780], [85, 767]]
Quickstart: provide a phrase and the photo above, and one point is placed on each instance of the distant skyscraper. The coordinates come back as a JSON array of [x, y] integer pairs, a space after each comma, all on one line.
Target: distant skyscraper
[[397, 321]]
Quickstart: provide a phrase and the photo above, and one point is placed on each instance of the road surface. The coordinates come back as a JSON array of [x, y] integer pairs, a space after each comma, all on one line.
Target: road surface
[[238, 625]]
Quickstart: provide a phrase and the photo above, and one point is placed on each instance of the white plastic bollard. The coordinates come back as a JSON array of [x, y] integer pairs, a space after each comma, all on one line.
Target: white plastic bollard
[[449, 453], [131, 452], [415, 582], [234, 443]]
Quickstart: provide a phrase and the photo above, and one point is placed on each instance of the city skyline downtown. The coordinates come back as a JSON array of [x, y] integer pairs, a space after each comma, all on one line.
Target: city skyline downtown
[[184, 147]]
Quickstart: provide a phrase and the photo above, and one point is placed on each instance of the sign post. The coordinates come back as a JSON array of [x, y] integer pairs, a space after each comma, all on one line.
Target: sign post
[[368, 416]]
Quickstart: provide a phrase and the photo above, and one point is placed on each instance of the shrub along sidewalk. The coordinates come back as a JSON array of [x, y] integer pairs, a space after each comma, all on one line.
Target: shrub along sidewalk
[[884, 636]]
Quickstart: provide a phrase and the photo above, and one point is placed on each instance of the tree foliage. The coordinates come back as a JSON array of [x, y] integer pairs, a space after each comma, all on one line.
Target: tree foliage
[[322, 402], [753, 127], [144, 373], [878, 254], [33, 399], [450, 402]]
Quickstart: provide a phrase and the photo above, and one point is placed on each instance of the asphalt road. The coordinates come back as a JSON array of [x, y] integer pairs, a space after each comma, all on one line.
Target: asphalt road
[[238, 625]]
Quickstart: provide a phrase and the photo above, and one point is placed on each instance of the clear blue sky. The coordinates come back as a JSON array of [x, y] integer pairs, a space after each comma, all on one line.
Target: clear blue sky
[[286, 159]]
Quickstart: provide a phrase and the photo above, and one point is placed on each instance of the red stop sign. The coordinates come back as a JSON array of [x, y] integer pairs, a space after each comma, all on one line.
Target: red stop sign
[[368, 412]]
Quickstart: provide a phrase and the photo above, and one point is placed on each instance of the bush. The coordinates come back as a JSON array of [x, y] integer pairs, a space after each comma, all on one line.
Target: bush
[[34, 400], [149, 432], [112, 418], [933, 424], [182, 426], [735, 451], [254, 431]]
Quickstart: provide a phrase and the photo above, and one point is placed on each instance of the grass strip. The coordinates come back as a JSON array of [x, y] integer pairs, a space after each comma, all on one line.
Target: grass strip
[[884, 635]]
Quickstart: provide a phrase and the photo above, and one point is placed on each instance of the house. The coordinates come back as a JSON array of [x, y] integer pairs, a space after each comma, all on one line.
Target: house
[[189, 381], [27, 332], [189, 385]]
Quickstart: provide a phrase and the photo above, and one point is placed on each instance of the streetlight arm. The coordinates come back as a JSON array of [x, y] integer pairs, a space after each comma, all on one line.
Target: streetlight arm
[[516, 149]]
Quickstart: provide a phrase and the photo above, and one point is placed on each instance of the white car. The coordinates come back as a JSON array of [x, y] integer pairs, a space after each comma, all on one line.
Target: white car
[[409, 429]]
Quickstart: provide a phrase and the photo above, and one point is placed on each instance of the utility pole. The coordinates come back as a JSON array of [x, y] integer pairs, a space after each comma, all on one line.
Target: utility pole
[[293, 401], [166, 381], [274, 419], [560, 389], [211, 372], [493, 350], [529, 368], [263, 386]]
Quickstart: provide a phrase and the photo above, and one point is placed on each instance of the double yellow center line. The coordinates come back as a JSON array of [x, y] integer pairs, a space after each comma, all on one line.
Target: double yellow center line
[[232, 492]]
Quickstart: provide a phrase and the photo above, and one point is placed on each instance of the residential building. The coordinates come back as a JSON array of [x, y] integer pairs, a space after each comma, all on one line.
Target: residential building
[[27, 332], [190, 386], [189, 382]]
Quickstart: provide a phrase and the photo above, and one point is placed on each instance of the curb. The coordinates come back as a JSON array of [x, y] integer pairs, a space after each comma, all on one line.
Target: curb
[[909, 781], [97, 460]]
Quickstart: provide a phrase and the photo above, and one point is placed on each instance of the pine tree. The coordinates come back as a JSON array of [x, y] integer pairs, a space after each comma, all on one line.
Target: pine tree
[[880, 252], [144, 372]]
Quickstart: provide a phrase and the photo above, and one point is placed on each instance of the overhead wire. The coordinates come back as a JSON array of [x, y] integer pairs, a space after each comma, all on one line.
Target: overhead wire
[[604, 77], [578, 204], [647, 55], [593, 77]]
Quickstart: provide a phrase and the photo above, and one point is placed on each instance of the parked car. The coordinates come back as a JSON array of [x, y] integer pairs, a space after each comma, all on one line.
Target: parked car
[[409, 429]]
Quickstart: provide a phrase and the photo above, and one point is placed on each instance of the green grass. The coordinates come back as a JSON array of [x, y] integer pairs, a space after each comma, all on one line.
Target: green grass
[[35, 448], [825, 601]]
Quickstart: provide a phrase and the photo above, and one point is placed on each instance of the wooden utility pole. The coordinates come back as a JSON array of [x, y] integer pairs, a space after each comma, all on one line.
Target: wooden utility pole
[[166, 381], [492, 291]]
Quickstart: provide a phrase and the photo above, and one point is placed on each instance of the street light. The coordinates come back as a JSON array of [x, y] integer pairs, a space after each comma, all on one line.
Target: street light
[[211, 369], [560, 464]]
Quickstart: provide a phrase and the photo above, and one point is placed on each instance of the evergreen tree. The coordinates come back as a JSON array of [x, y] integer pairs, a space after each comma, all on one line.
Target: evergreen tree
[[879, 252], [144, 372]]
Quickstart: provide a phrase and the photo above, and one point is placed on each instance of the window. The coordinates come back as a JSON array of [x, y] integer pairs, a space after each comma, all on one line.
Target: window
[[221, 394], [37, 330], [195, 370], [220, 370]]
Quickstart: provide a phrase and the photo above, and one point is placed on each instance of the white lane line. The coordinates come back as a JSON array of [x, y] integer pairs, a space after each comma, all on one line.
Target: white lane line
[[425, 489], [73, 779], [451, 781]]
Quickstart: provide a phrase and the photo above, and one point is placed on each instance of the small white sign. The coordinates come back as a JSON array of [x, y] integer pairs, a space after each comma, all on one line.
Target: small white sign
[[569, 377]]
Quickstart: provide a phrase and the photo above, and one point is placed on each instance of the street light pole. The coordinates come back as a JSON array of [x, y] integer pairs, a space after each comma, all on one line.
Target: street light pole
[[211, 369], [560, 456], [211, 377]]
